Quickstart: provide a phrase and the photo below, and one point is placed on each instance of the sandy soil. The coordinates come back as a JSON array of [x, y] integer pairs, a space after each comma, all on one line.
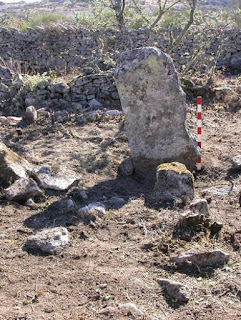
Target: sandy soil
[[117, 259]]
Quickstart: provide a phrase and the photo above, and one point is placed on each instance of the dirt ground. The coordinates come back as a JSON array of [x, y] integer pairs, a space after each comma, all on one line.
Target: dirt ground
[[117, 259]]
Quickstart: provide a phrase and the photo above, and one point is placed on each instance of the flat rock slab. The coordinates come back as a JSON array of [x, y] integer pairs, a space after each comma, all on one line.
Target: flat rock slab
[[154, 106], [49, 240], [22, 190], [174, 181], [202, 258], [55, 178], [12, 166], [176, 290]]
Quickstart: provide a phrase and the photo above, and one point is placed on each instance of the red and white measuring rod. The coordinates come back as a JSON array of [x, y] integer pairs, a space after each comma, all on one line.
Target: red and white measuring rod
[[199, 129]]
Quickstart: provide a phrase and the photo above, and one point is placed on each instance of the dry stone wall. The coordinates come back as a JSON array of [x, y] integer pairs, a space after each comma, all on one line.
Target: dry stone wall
[[68, 48]]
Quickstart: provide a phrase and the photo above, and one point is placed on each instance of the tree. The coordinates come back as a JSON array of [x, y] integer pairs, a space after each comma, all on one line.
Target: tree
[[119, 7]]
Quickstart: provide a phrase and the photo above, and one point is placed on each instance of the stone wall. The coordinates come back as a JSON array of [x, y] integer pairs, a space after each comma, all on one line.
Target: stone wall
[[91, 91], [69, 48]]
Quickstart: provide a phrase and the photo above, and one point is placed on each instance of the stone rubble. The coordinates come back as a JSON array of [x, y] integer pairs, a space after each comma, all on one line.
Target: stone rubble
[[49, 240]]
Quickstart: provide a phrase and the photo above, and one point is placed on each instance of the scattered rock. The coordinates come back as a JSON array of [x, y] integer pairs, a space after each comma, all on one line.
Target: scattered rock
[[55, 178], [236, 162], [10, 121], [126, 168], [61, 116], [12, 166], [174, 181], [31, 114], [200, 206], [116, 202], [215, 228], [91, 211], [49, 240], [193, 220], [30, 102], [155, 110], [23, 189], [176, 290], [202, 258]]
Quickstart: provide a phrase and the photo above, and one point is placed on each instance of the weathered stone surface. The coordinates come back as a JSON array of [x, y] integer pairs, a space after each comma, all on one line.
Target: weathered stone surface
[[173, 181], [236, 162], [31, 114], [202, 258], [12, 166], [49, 240], [200, 206], [155, 110], [22, 190], [176, 290], [55, 178]]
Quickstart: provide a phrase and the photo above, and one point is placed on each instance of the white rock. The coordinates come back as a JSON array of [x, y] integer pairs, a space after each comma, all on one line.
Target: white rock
[[95, 209], [55, 178], [49, 240], [236, 162]]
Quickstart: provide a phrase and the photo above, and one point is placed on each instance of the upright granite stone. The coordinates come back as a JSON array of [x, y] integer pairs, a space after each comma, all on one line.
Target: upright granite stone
[[154, 105]]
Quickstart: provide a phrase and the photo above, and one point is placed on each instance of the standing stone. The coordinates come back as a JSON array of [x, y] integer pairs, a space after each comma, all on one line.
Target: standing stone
[[154, 105]]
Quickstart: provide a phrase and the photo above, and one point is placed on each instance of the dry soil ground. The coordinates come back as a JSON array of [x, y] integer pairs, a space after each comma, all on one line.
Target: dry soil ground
[[117, 259]]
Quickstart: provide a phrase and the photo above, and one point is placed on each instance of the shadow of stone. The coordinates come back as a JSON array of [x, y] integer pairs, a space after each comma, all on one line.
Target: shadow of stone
[[232, 174], [174, 304], [36, 252], [191, 270], [57, 214]]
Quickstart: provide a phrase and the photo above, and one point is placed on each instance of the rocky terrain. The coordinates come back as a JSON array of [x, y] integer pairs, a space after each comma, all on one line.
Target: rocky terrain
[[120, 258]]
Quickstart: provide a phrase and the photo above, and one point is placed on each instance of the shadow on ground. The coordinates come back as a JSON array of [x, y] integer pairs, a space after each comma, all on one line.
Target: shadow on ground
[[114, 194]]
